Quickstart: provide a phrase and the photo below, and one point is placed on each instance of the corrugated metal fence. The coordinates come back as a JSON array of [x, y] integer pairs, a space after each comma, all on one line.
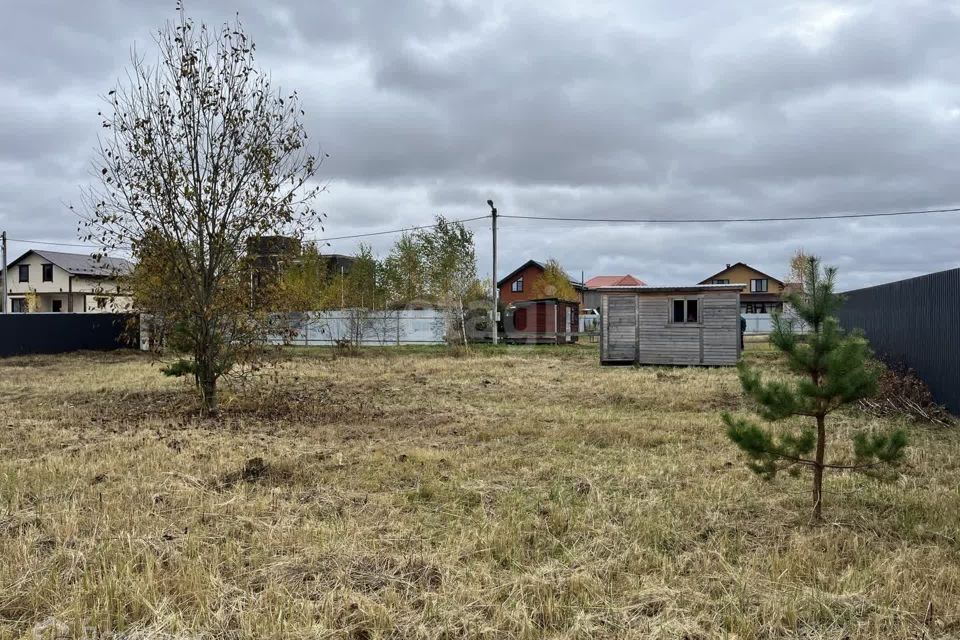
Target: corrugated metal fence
[[30, 333], [915, 323]]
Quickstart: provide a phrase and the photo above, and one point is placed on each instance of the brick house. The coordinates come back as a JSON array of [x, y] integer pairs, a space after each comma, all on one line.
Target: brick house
[[518, 285]]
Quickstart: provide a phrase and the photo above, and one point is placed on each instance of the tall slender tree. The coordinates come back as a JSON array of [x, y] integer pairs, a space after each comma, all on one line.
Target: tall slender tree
[[199, 153], [797, 272], [405, 274], [831, 369], [450, 259]]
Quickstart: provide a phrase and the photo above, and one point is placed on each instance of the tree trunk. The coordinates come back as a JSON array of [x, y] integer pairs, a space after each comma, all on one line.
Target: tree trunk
[[208, 393], [818, 469], [207, 378], [463, 323]]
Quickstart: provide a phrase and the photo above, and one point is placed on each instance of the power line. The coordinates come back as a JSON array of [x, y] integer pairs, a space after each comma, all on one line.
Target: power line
[[724, 220], [383, 233], [58, 244], [350, 237], [840, 216]]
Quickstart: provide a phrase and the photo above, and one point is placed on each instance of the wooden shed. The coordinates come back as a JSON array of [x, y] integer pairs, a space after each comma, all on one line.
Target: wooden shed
[[685, 325], [545, 321]]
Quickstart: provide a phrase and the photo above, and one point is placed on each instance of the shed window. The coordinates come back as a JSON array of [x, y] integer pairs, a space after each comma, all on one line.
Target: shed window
[[678, 310], [517, 285], [47, 272], [24, 273], [758, 285], [686, 310]]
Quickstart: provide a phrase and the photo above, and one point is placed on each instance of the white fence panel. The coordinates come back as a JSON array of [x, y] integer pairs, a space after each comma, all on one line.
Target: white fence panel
[[590, 324], [369, 328], [762, 323], [758, 323]]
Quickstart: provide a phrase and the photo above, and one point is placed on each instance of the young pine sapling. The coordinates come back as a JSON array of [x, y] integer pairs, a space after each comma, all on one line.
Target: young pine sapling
[[832, 370]]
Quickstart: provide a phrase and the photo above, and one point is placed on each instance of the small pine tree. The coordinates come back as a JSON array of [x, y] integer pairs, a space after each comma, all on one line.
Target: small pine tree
[[832, 371]]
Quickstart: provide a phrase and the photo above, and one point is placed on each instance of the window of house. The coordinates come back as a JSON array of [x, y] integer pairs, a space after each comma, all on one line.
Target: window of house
[[517, 285], [47, 272], [57, 306], [18, 305], [685, 311], [24, 272], [722, 281], [758, 285]]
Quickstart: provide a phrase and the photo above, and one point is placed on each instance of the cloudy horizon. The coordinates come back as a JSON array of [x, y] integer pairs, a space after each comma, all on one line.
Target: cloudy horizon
[[589, 110]]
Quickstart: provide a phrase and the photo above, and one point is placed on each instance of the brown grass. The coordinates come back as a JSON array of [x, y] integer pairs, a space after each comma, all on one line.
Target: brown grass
[[522, 493]]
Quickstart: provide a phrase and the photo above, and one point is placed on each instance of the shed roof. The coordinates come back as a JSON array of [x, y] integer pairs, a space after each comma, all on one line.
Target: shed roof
[[666, 288], [80, 264], [533, 301]]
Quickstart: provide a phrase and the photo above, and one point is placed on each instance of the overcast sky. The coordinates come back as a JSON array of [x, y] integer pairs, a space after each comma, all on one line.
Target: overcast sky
[[665, 109]]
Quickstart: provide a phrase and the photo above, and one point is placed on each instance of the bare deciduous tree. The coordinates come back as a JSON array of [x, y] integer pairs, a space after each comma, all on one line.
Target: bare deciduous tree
[[199, 154]]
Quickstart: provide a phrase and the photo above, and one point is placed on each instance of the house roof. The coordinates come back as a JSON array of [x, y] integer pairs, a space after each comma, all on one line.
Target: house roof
[[741, 264], [792, 287], [533, 263], [611, 281], [528, 263], [80, 264]]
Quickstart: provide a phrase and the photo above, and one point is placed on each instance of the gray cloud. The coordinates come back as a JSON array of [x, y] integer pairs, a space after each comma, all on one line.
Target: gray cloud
[[564, 109]]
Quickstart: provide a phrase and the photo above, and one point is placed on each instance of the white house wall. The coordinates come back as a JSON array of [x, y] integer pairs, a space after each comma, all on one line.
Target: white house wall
[[83, 291]]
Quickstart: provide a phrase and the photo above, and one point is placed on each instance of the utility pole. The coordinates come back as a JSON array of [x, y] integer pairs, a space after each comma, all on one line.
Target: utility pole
[[3, 239], [493, 275]]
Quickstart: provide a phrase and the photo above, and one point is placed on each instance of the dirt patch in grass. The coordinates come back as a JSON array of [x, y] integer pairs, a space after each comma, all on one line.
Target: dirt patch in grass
[[257, 471]]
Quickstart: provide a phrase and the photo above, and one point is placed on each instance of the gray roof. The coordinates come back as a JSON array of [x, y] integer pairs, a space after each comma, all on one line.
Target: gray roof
[[678, 287], [81, 264]]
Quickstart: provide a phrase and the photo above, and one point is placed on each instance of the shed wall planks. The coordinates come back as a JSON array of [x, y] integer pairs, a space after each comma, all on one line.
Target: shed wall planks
[[637, 327]]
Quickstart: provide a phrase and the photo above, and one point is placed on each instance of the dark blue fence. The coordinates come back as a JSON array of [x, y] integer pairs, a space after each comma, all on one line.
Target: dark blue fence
[[914, 323], [30, 333]]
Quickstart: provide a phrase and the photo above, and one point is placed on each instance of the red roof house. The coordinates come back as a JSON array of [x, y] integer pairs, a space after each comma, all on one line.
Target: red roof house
[[591, 298], [613, 281]]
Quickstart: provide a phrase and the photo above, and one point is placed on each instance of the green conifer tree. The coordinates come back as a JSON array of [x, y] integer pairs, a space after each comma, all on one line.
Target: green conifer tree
[[832, 370]]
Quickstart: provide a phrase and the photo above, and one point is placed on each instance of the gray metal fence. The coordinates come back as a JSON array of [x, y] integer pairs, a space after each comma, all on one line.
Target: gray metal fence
[[914, 323]]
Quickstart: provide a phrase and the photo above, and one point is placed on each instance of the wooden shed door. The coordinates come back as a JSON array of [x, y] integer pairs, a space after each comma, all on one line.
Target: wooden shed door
[[540, 322], [620, 328]]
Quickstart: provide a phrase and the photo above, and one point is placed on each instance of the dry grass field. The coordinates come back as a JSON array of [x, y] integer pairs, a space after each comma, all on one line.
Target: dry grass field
[[517, 493]]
